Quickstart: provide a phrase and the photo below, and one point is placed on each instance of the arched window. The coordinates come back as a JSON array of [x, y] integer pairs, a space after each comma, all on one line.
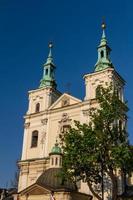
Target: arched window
[[102, 54], [37, 108], [46, 72], [56, 161], [60, 161], [34, 139], [51, 72], [52, 161]]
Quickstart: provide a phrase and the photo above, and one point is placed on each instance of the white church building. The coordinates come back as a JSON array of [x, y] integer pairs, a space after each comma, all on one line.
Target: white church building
[[49, 114]]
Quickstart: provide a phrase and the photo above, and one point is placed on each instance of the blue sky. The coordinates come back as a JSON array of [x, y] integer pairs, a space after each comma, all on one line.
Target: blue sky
[[26, 27]]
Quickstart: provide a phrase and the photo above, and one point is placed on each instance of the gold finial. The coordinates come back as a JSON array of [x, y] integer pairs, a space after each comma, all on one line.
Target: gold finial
[[50, 45], [103, 23]]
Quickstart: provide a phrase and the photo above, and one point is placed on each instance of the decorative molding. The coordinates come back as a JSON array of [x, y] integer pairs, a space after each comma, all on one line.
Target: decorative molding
[[65, 118], [64, 122], [24, 169], [86, 112], [65, 102], [44, 121], [27, 125], [37, 97], [43, 137]]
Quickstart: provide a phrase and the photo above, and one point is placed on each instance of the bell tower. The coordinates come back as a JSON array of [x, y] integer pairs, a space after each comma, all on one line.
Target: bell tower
[[34, 152], [104, 71]]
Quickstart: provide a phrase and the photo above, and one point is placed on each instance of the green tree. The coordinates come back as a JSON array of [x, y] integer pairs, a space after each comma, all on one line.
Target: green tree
[[96, 151]]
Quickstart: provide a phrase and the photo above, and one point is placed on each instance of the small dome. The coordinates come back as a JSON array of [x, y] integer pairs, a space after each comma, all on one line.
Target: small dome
[[56, 149], [52, 179]]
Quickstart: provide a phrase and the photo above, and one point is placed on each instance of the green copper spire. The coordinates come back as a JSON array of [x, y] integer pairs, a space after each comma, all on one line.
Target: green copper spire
[[48, 79], [104, 50], [103, 39], [50, 58]]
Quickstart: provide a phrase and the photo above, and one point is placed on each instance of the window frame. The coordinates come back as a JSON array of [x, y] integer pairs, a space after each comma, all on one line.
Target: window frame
[[37, 108], [34, 139]]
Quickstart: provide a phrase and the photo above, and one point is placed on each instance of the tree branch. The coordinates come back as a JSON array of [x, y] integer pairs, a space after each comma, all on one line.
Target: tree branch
[[92, 191]]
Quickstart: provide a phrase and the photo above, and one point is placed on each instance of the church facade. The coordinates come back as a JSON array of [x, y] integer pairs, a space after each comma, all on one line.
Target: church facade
[[50, 113]]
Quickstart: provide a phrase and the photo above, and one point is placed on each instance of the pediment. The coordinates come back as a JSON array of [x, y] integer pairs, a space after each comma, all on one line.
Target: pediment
[[64, 100], [35, 189]]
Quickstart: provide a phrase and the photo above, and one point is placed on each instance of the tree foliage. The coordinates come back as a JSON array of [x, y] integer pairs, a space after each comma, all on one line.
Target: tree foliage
[[100, 148]]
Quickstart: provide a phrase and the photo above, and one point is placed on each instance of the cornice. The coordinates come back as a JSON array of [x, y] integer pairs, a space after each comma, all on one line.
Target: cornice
[[64, 109], [32, 160]]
